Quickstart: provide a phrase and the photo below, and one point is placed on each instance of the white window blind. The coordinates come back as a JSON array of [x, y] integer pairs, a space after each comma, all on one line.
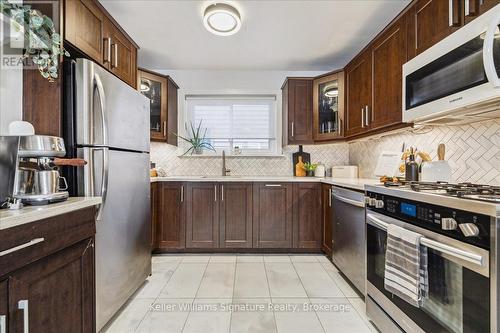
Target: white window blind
[[246, 122]]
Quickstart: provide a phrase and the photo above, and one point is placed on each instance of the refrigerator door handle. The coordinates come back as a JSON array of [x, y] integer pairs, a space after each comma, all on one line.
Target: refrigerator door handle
[[102, 101], [104, 182]]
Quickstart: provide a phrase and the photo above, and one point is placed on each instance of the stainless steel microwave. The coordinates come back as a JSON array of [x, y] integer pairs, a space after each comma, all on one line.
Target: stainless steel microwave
[[457, 79]]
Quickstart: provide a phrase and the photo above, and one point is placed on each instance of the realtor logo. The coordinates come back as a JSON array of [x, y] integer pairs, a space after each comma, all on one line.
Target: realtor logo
[[22, 25]]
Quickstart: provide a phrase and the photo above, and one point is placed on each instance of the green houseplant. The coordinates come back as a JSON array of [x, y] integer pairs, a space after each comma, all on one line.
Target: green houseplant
[[309, 167], [42, 43], [197, 142]]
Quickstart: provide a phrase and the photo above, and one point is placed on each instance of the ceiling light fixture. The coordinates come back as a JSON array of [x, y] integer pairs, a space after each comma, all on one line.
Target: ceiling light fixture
[[222, 19]]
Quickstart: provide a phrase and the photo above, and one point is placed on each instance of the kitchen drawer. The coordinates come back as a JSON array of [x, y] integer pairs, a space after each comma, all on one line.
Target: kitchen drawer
[[46, 236]]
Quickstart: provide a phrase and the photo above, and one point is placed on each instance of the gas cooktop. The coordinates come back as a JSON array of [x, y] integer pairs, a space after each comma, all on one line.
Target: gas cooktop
[[479, 192]]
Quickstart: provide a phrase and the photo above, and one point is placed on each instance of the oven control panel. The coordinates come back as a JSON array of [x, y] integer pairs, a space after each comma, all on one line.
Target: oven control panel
[[465, 226]]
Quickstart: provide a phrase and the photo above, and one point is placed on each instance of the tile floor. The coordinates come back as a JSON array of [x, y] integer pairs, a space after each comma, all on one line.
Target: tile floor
[[243, 294]]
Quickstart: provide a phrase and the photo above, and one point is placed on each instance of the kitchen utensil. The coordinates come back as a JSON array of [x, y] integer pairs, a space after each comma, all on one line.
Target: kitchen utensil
[[320, 170], [48, 164], [306, 157], [49, 182], [437, 170], [299, 168]]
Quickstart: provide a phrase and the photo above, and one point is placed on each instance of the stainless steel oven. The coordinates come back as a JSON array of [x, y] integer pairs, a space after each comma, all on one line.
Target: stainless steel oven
[[462, 272], [456, 79]]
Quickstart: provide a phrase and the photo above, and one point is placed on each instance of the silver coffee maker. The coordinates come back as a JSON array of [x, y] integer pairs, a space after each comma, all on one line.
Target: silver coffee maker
[[38, 181]]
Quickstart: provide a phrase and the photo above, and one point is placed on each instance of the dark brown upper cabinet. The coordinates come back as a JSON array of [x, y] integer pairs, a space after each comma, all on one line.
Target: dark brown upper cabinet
[[89, 28], [171, 221], [84, 27], [202, 215], [272, 215], [432, 20], [297, 111], [307, 216], [328, 107], [120, 56], [358, 93], [388, 54], [162, 92], [235, 215]]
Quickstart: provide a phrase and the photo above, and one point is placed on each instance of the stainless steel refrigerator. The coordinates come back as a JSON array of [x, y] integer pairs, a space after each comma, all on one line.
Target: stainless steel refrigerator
[[106, 122]]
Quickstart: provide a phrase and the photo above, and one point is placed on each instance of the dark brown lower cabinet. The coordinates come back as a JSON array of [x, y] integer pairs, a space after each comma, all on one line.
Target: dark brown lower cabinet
[[54, 294], [306, 215], [4, 306], [202, 211], [326, 219], [272, 215], [171, 220], [235, 215]]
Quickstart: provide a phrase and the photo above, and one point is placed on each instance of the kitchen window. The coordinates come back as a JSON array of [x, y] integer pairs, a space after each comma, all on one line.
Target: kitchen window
[[243, 124]]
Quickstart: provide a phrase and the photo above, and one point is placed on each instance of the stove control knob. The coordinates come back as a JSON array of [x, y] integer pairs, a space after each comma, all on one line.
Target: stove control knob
[[379, 204], [372, 202], [469, 229], [448, 223]]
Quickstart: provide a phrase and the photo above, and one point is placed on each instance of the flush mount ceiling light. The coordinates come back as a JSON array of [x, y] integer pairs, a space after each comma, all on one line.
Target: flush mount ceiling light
[[222, 19], [332, 92]]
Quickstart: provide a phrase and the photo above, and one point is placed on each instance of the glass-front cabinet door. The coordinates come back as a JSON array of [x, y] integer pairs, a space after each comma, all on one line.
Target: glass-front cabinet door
[[154, 87], [328, 106]]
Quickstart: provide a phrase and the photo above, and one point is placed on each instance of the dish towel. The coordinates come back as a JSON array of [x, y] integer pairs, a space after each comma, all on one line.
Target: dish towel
[[406, 273]]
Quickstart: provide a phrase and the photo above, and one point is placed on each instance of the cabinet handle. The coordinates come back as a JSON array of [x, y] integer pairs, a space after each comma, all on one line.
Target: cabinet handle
[[114, 64], [330, 197], [451, 14], [23, 305], [164, 129], [467, 9], [341, 127], [367, 114], [222, 192], [293, 129], [182, 193], [22, 246], [107, 51], [215, 193], [3, 324], [362, 117], [272, 185]]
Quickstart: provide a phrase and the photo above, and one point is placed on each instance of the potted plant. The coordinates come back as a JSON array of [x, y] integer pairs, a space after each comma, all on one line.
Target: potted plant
[[197, 142], [309, 167], [43, 44]]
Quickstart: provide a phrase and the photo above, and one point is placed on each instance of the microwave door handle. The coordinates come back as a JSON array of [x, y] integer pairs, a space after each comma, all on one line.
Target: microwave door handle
[[102, 102], [488, 56]]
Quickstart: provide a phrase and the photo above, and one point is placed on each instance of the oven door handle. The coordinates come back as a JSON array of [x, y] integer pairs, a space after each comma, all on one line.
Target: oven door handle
[[443, 248], [488, 52]]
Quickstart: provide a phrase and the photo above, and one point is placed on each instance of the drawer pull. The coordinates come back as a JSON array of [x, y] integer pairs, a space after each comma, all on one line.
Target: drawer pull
[[22, 246], [3, 324], [272, 185], [23, 305]]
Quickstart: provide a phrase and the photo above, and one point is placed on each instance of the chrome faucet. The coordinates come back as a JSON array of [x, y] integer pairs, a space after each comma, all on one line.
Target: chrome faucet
[[225, 171]]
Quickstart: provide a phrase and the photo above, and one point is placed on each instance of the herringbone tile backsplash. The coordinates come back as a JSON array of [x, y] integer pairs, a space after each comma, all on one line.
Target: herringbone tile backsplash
[[473, 150], [167, 157]]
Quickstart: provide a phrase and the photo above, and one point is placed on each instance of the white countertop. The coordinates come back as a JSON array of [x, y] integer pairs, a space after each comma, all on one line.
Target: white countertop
[[353, 183], [11, 218]]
